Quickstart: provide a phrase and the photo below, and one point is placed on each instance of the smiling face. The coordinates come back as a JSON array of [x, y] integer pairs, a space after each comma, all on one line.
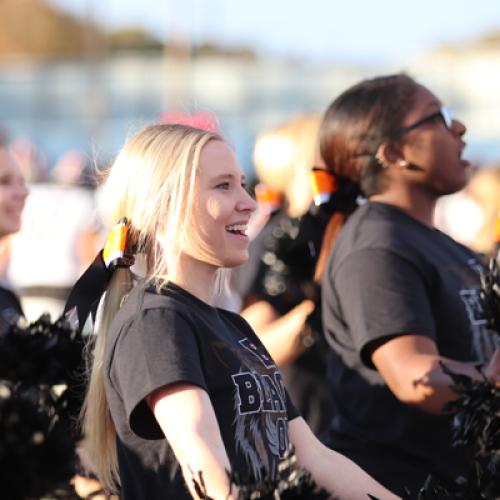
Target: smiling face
[[433, 148], [221, 209], [13, 194]]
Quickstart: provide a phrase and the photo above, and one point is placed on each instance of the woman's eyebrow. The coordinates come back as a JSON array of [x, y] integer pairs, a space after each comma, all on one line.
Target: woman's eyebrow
[[228, 176]]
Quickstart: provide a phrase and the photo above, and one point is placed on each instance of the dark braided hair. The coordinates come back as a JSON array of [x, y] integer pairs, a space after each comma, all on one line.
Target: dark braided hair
[[358, 121], [355, 124]]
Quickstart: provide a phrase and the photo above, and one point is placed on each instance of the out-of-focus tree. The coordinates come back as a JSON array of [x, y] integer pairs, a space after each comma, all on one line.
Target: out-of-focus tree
[[233, 52], [133, 38], [492, 38], [34, 28]]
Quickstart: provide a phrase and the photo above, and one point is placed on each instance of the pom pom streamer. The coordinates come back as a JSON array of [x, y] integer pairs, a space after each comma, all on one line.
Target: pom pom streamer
[[38, 365], [490, 294], [476, 430], [476, 423], [291, 483]]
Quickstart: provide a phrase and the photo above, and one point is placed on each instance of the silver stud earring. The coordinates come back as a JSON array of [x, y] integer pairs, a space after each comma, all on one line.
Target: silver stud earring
[[402, 163]]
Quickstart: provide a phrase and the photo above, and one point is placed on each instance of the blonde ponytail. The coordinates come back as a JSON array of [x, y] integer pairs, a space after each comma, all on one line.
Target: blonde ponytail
[[95, 417]]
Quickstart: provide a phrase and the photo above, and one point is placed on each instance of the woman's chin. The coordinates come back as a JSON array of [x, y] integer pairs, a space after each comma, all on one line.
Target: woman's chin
[[8, 230], [236, 261]]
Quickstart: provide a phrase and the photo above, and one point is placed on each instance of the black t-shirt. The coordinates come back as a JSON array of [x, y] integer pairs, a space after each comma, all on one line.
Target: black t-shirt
[[160, 339], [391, 275]]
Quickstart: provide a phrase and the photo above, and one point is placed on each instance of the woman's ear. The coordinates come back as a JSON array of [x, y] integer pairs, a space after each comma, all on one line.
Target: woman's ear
[[388, 155]]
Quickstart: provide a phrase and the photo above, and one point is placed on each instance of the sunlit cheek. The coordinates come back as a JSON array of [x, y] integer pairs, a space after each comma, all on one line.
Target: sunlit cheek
[[214, 208]]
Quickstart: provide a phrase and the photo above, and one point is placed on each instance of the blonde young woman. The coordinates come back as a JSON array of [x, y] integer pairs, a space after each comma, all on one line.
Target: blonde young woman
[[179, 387]]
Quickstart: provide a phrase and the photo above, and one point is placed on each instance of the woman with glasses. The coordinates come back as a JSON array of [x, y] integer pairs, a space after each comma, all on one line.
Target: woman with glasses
[[399, 296]]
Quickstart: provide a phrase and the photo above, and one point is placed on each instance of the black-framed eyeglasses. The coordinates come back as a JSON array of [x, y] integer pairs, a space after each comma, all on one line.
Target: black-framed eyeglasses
[[442, 113]]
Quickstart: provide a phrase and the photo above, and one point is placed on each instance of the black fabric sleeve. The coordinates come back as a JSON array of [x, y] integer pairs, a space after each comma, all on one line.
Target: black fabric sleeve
[[382, 295], [156, 349]]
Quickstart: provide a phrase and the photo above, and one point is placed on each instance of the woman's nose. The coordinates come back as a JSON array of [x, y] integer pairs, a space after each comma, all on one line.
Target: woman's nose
[[246, 203], [21, 190], [458, 128]]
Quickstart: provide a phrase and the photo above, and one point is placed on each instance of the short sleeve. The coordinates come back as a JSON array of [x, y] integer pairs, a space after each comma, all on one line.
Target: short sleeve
[[156, 349], [382, 294]]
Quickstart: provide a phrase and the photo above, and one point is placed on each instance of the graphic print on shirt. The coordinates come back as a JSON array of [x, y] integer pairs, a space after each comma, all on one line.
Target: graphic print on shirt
[[261, 424], [484, 342]]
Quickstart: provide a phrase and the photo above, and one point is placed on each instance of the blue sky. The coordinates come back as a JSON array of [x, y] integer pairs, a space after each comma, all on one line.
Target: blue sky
[[316, 29]]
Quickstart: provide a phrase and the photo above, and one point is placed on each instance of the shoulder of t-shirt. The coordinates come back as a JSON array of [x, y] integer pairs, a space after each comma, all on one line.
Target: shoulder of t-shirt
[[369, 229], [479, 257], [389, 228], [242, 325], [140, 302], [236, 319], [379, 224]]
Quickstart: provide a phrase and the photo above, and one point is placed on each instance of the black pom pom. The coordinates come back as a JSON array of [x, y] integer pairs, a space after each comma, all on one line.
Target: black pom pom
[[38, 363], [476, 430], [291, 483], [489, 295]]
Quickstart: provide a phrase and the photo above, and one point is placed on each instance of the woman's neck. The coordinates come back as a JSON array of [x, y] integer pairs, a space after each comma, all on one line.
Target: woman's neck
[[196, 277], [416, 205]]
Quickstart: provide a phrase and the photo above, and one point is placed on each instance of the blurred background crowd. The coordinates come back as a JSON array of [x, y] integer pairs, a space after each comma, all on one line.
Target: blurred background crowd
[[78, 76]]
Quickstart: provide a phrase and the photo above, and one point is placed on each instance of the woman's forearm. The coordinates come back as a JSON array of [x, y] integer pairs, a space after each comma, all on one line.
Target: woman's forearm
[[186, 417], [346, 480], [204, 467], [331, 470], [411, 367], [282, 336]]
